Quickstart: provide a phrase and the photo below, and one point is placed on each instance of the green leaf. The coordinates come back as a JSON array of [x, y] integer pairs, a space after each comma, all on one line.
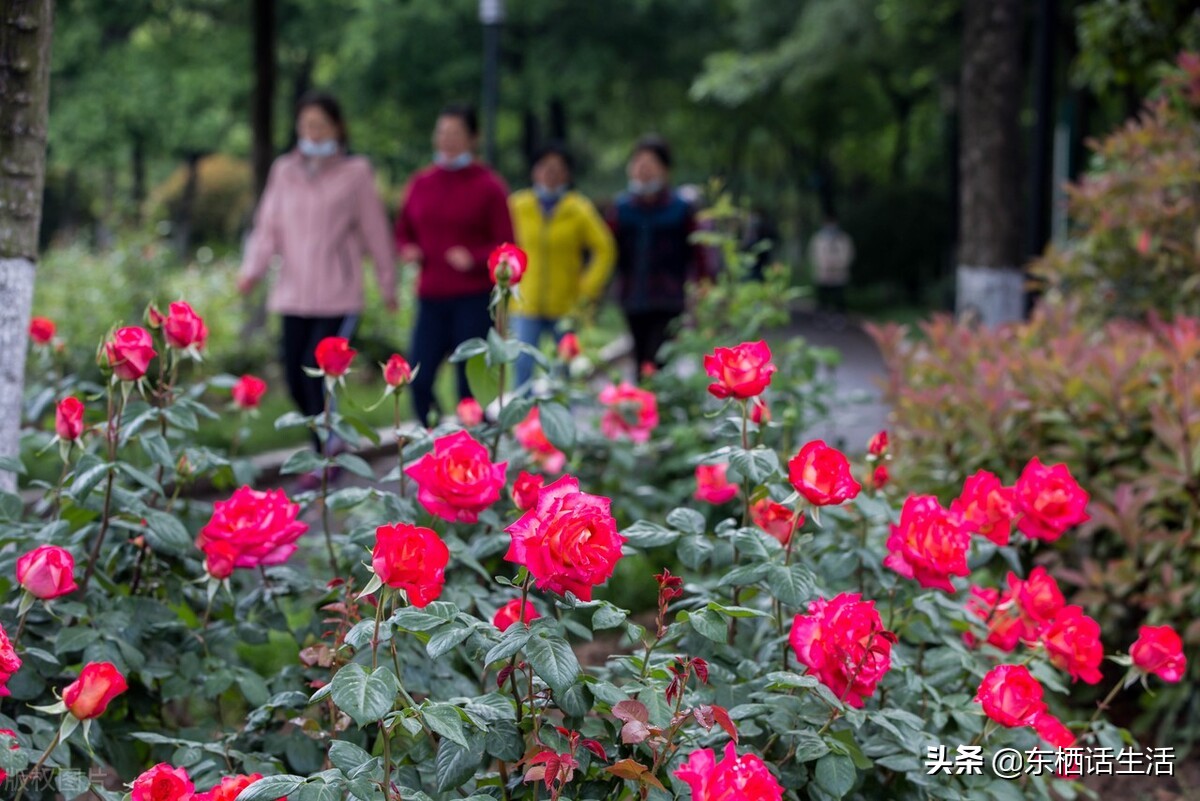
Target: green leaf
[[554, 660], [165, 533], [744, 574], [835, 774], [472, 347], [608, 617], [512, 641], [291, 420], [736, 611], [558, 425], [12, 464], [757, 465], [89, 472], [483, 380], [644, 534], [791, 584], [348, 498], [155, 446], [575, 702], [694, 551], [349, 758], [140, 477], [514, 411], [303, 461], [709, 624], [446, 720], [689, 521], [446, 641], [435, 614], [456, 763], [504, 741], [320, 790], [270, 788], [809, 746], [69, 641], [365, 696], [355, 464]]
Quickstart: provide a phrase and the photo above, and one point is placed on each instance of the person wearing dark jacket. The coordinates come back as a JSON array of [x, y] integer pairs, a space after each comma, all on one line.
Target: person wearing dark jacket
[[655, 260], [455, 214]]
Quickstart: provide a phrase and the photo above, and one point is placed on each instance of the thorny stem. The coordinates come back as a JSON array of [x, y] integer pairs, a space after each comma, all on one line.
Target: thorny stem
[[836, 713], [502, 330], [512, 664], [112, 434], [37, 768], [325, 479], [401, 441], [1108, 699], [737, 591]]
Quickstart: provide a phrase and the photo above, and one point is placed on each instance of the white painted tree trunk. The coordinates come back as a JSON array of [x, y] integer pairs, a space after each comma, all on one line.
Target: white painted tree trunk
[[990, 296], [16, 300], [26, 27]]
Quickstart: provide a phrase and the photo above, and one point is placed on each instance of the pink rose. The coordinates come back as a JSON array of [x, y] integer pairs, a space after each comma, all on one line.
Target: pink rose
[[457, 479]]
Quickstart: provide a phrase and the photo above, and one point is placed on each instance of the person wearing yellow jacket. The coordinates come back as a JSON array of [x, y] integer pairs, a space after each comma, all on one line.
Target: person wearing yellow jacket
[[571, 252]]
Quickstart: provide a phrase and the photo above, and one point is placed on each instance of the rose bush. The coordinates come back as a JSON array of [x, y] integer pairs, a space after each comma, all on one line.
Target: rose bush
[[421, 637]]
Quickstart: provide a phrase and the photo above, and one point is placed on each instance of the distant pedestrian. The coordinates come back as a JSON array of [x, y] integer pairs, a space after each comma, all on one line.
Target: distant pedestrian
[[655, 260], [570, 252], [321, 213], [831, 252], [455, 214]]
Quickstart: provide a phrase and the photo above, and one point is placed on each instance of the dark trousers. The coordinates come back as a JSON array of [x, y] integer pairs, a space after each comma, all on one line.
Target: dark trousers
[[300, 338], [649, 332], [443, 325]]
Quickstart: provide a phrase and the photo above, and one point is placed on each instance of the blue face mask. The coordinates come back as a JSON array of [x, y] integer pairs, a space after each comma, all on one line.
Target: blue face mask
[[547, 195], [463, 159], [317, 150], [645, 188]]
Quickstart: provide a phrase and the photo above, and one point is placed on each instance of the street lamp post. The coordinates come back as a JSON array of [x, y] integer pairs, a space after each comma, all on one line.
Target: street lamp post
[[491, 14]]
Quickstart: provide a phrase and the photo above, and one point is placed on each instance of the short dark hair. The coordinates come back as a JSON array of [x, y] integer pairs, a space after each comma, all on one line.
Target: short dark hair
[[332, 109], [655, 144], [553, 148], [464, 112]]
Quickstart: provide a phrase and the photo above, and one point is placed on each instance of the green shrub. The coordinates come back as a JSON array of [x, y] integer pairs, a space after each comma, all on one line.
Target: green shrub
[[1120, 404], [224, 198]]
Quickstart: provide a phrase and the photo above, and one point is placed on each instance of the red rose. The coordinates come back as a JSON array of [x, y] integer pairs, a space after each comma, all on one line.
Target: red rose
[[397, 371], [532, 438], [41, 330], [759, 411], [411, 558], [1072, 640], [734, 778], [248, 392], [741, 372], [220, 558], [1159, 650], [776, 519], [568, 347], [986, 506], [162, 783], [8, 736], [632, 413], [457, 480], [711, 484], [569, 541], [229, 788], [47, 572], [334, 355], [525, 490], [511, 612], [10, 663], [1011, 696], [470, 413], [90, 694], [130, 352], [1050, 501], [506, 264], [184, 328], [878, 445], [252, 528], [880, 477], [999, 613], [929, 544], [844, 644], [822, 475], [1053, 731], [68, 419], [1038, 597]]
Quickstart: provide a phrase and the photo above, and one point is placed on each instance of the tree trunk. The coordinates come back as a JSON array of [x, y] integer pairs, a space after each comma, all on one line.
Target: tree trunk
[[261, 112], [185, 210], [26, 28], [990, 281]]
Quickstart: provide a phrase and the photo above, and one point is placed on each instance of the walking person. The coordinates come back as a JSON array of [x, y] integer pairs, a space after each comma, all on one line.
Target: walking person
[[655, 260], [570, 252], [831, 252], [455, 214], [321, 214]]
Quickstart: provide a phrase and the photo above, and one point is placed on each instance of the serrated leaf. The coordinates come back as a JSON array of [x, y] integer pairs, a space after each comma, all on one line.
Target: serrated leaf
[[303, 461], [512, 641], [165, 533], [608, 617], [558, 425], [348, 757], [446, 720], [364, 696], [356, 465], [791, 584], [709, 624], [443, 642], [644, 534], [835, 774], [483, 380], [270, 788], [553, 660], [515, 411], [456, 764], [689, 521]]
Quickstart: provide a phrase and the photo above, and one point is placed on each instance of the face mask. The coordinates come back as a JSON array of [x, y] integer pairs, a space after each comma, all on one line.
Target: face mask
[[644, 188], [463, 159], [317, 150], [548, 195]]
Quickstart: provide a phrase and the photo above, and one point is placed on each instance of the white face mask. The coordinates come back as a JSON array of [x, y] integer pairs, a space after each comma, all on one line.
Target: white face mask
[[644, 188], [463, 159], [317, 150]]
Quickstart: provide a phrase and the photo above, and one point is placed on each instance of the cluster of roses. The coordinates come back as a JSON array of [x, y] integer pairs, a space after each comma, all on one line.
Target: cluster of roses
[[166, 783]]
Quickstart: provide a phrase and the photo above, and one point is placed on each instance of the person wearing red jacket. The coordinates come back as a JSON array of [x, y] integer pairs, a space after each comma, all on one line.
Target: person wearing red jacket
[[455, 214]]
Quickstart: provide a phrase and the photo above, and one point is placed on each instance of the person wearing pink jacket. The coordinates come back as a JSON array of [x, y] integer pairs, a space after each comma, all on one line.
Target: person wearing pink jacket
[[321, 214]]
